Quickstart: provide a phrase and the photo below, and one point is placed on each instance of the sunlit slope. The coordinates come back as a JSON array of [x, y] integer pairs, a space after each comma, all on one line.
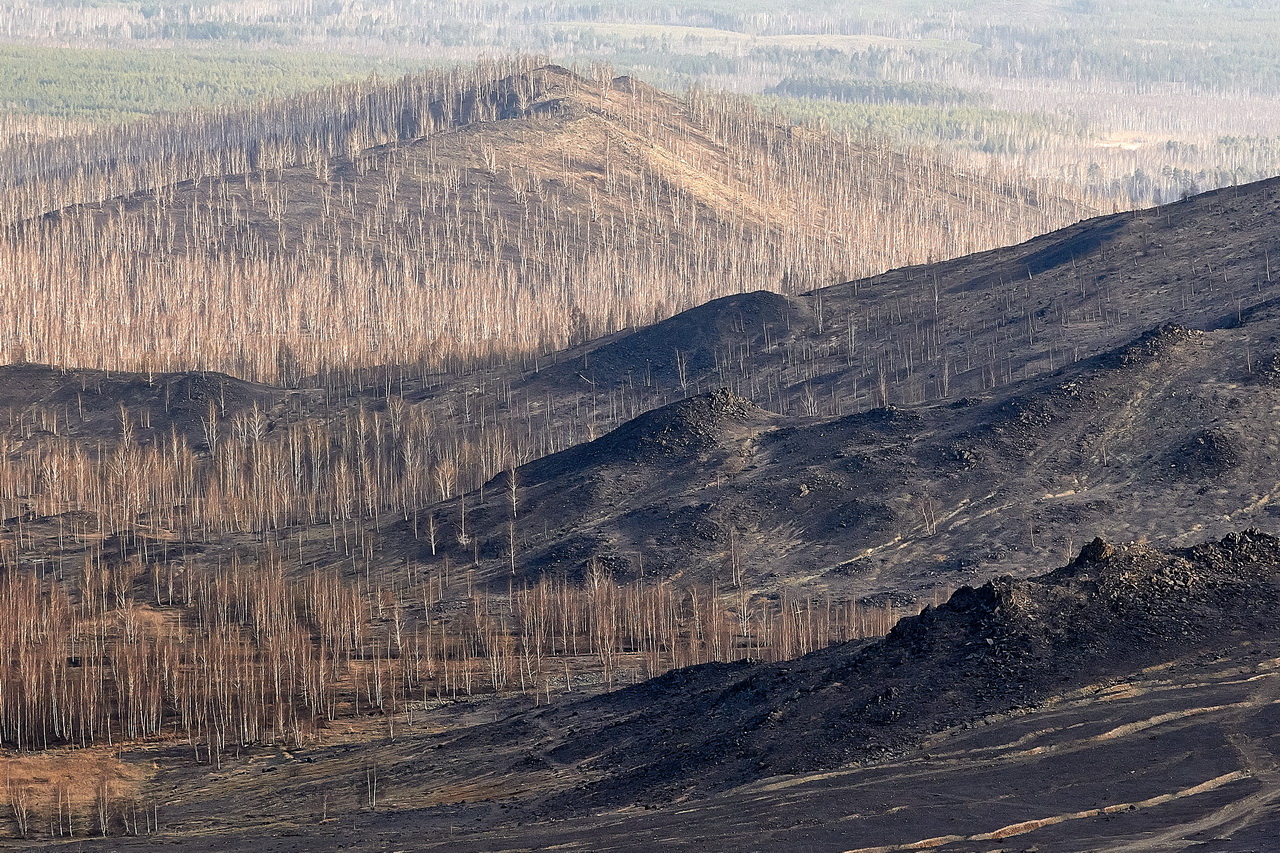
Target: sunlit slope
[[440, 217]]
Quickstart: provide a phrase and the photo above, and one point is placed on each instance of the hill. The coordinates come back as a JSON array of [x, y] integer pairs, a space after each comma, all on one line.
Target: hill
[[1164, 438], [963, 326], [509, 208], [927, 426]]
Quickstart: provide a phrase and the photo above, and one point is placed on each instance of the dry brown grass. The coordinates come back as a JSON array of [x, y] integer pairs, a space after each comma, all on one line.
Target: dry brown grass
[[73, 791]]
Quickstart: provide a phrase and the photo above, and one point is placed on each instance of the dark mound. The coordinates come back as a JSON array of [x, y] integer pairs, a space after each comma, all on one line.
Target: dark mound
[[681, 429], [1207, 454], [588, 500], [1151, 345], [91, 401], [681, 349], [1004, 646], [678, 432]]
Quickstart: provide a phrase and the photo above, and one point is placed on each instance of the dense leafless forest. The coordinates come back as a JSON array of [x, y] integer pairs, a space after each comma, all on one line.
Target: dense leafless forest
[[482, 213]]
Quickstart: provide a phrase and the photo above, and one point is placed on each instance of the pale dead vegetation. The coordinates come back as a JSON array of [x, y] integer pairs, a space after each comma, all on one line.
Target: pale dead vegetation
[[273, 653], [495, 210]]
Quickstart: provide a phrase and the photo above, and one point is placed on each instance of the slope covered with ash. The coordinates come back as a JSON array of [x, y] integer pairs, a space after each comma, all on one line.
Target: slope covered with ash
[[1169, 436], [959, 327], [938, 423], [1006, 645]]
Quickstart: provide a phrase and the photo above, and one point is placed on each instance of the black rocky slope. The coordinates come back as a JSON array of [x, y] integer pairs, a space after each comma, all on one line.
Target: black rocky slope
[[1000, 717], [958, 326], [1170, 436], [1007, 645]]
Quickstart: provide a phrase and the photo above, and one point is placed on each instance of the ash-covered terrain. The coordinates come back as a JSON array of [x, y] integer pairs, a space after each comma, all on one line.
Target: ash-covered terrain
[[929, 426], [1126, 701], [1169, 438]]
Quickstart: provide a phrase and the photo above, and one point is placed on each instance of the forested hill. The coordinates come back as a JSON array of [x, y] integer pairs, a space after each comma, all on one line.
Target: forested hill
[[501, 208]]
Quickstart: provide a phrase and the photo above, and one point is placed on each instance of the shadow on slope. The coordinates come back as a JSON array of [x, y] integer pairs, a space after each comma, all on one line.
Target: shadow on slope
[[692, 344], [89, 403], [1167, 436]]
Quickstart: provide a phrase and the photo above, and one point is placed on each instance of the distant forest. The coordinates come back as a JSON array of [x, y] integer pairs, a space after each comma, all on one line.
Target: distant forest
[[1133, 102]]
